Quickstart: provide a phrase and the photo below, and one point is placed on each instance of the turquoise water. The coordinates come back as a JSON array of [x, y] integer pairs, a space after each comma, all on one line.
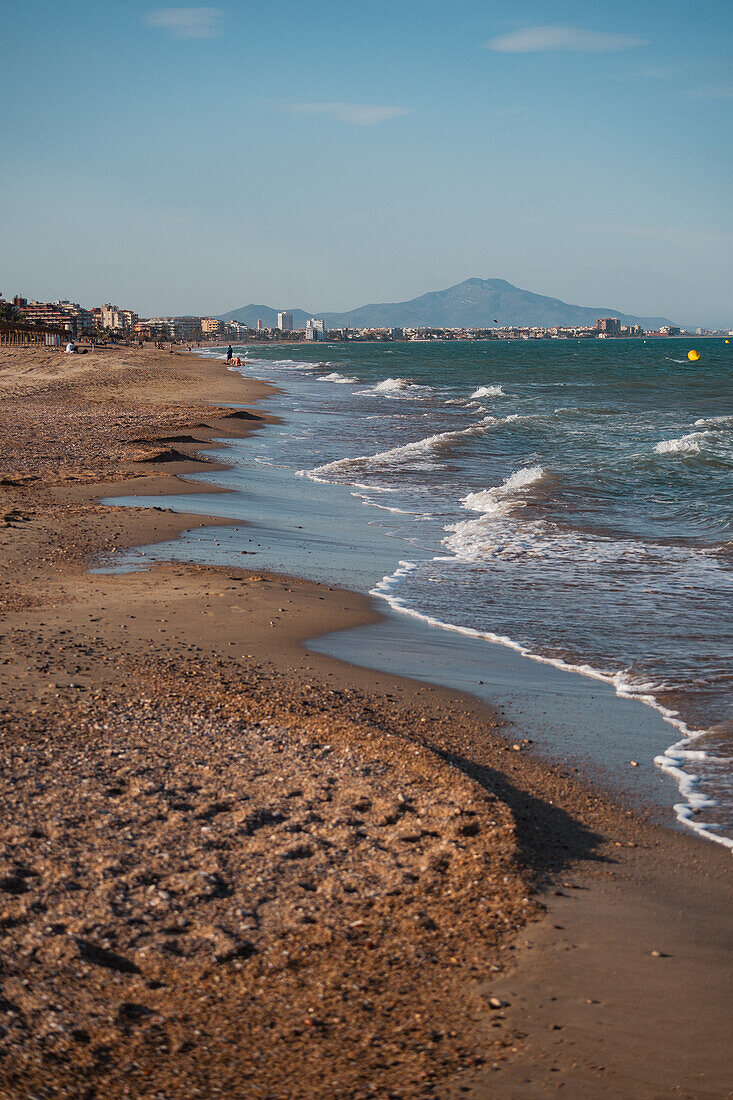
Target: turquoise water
[[574, 500]]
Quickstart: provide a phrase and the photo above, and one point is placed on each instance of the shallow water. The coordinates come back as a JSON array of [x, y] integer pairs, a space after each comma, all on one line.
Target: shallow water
[[569, 501]]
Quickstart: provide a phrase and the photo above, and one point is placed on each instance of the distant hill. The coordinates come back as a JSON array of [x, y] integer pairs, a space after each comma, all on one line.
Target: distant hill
[[250, 315], [475, 303]]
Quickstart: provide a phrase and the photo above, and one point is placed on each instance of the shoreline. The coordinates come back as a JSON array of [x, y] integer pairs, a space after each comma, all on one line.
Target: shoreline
[[558, 826], [612, 781]]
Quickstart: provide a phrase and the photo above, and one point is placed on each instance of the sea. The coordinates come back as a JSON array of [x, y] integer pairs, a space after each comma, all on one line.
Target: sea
[[568, 501]]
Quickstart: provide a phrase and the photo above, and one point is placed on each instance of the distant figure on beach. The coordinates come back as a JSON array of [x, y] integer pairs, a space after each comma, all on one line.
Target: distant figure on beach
[[230, 353], [70, 348]]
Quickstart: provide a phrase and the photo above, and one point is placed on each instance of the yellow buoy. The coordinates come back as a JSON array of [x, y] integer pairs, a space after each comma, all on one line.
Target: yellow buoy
[[693, 355], [727, 341]]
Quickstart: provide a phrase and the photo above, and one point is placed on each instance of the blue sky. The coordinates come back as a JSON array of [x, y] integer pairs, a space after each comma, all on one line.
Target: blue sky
[[327, 154]]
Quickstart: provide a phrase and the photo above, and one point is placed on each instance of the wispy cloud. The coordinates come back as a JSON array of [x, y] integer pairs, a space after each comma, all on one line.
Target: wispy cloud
[[187, 22], [536, 39], [719, 91], [358, 114]]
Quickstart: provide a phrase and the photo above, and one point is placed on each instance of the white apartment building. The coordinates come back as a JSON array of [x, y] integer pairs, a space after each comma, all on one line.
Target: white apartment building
[[285, 321], [81, 318], [109, 316], [315, 329]]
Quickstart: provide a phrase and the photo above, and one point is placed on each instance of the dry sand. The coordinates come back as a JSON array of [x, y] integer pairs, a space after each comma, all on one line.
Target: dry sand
[[232, 868]]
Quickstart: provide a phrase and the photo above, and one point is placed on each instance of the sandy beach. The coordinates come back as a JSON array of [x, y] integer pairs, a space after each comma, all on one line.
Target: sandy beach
[[231, 867]]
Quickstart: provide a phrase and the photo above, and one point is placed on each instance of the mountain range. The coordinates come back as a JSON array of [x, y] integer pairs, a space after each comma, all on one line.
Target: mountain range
[[474, 303]]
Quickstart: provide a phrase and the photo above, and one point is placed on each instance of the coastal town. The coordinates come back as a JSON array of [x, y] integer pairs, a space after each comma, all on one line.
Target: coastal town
[[22, 319]]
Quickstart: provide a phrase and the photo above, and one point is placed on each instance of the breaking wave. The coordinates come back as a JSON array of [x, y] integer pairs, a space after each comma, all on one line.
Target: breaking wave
[[410, 453], [488, 391], [686, 444], [714, 422], [334, 376], [395, 387]]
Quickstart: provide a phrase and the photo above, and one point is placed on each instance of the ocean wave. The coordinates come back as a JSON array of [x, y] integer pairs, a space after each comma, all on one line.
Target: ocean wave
[[509, 492], [714, 422], [488, 391], [334, 376], [674, 758], [471, 539], [282, 364], [686, 444], [417, 452], [395, 387]]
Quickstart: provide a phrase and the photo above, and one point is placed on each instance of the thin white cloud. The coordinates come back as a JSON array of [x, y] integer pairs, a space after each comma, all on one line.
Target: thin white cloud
[[187, 22], [358, 114], [536, 39]]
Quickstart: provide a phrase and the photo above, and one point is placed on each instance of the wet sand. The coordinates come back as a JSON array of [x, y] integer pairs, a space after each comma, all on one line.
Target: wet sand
[[234, 868]]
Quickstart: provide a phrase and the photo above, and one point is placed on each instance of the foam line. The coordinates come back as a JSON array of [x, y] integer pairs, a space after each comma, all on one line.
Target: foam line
[[670, 761]]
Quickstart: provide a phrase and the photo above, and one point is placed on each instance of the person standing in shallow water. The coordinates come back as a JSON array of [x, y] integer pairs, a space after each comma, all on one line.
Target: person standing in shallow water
[[230, 353]]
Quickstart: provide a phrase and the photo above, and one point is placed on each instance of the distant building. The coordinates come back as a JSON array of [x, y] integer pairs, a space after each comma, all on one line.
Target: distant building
[[670, 330], [260, 325], [315, 329], [109, 316], [610, 325], [170, 328], [396, 334], [186, 328], [81, 318], [155, 328], [43, 313], [285, 321], [211, 326]]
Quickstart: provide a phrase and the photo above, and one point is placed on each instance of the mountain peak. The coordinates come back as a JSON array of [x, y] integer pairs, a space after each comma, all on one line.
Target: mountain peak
[[474, 303]]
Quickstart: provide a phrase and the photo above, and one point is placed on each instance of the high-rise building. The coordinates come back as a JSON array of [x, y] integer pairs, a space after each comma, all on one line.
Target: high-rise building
[[285, 321], [610, 325], [315, 329], [260, 325]]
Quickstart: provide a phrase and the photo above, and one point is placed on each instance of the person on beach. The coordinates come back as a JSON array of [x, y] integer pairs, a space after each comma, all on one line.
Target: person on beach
[[230, 353], [70, 348]]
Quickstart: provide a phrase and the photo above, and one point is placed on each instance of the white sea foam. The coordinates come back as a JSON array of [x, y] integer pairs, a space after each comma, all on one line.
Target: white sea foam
[[418, 452], [395, 387], [473, 539], [334, 376], [505, 496], [488, 391], [671, 761], [714, 422], [686, 444]]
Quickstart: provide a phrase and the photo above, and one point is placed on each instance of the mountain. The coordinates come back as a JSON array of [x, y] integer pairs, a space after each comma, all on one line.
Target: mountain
[[250, 315], [475, 303]]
